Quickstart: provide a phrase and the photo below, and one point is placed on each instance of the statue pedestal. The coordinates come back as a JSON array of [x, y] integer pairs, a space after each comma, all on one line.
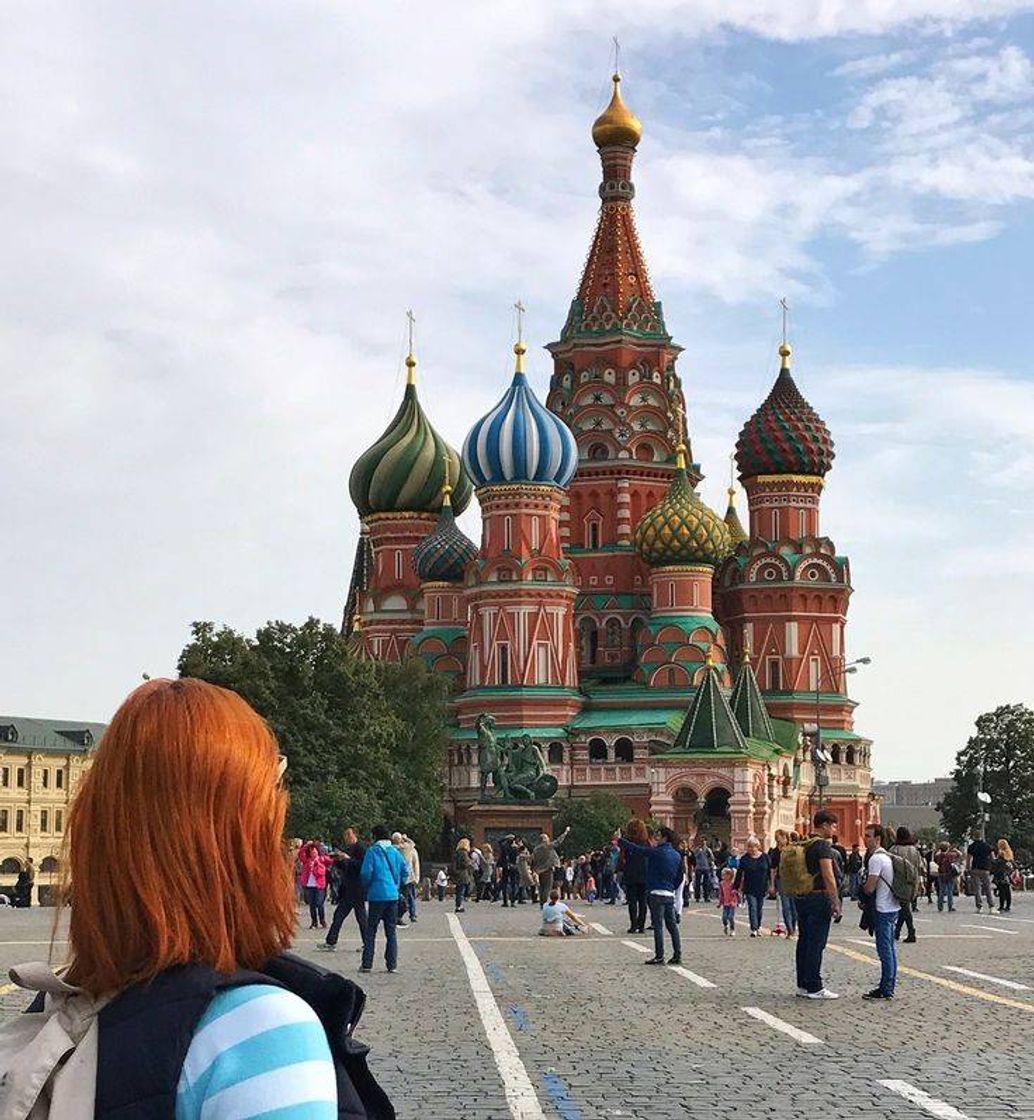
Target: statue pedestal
[[492, 820]]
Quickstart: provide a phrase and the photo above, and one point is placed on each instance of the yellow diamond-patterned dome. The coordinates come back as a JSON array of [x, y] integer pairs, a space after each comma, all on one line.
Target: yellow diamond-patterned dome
[[680, 529]]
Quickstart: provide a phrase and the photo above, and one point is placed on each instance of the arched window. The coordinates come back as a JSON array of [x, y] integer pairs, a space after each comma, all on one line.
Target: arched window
[[597, 750], [638, 626], [623, 749], [593, 531], [535, 534], [507, 534], [834, 754], [49, 865], [597, 451], [849, 759], [10, 866], [555, 754], [613, 631], [589, 640]]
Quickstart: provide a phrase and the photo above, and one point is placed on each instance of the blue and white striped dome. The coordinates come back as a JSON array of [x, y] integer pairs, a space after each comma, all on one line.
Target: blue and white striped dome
[[520, 440]]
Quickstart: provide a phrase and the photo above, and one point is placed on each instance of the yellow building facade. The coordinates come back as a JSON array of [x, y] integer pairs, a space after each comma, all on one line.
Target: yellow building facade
[[42, 762]]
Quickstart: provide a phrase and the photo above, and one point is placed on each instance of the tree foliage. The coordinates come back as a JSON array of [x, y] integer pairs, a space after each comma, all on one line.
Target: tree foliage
[[1003, 747], [365, 741], [593, 820]]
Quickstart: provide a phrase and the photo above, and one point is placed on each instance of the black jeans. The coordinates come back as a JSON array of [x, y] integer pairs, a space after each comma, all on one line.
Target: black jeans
[[345, 907], [814, 916], [1004, 895], [386, 912], [635, 893], [510, 885], [662, 914], [905, 919]]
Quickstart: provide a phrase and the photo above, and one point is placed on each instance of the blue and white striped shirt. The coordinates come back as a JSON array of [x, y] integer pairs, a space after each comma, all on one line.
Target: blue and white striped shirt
[[258, 1051]]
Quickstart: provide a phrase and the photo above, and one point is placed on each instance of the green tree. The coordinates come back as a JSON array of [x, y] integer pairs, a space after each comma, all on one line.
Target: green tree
[[593, 820], [365, 741], [1003, 750]]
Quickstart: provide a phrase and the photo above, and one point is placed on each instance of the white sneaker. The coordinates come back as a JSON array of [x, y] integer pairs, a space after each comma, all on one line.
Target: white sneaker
[[824, 994], [802, 993]]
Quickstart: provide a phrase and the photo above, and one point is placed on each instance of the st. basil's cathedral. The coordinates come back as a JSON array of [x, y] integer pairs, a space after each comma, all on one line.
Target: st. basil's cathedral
[[652, 647]]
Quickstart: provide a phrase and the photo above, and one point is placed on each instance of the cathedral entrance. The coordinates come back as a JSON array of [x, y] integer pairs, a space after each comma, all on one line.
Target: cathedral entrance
[[715, 820], [687, 806]]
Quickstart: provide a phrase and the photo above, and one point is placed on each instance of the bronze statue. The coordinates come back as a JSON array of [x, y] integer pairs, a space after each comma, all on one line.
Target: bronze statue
[[516, 766]]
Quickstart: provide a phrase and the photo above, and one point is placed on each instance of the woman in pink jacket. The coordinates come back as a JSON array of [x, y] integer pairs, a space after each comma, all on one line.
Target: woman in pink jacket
[[312, 874]]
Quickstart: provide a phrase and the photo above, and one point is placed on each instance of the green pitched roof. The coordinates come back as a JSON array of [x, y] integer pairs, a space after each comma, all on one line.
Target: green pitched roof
[[709, 724], [748, 707], [64, 736]]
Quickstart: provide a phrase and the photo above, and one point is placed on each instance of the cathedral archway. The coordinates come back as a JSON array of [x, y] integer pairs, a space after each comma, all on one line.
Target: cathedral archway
[[687, 808], [715, 820]]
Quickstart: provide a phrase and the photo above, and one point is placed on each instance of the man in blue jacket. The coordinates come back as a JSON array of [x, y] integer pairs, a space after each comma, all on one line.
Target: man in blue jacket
[[384, 873], [663, 875]]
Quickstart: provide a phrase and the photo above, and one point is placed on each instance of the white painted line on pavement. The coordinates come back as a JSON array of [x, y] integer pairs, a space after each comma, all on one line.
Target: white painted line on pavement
[[993, 929], [638, 948], [700, 981], [520, 1094], [870, 944], [601, 929], [1010, 918], [990, 979], [795, 1033], [931, 1104]]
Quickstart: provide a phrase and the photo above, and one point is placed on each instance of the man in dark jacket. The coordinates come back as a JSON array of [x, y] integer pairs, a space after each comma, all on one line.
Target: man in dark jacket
[[508, 869], [351, 896], [663, 875]]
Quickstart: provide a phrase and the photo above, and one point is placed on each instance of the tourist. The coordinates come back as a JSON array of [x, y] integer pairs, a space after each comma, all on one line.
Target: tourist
[[752, 881], [351, 895], [486, 875], [787, 903], [590, 888], [816, 908], [1002, 871], [509, 878], [703, 864], [567, 882], [880, 876], [185, 789], [544, 861], [314, 865], [559, 920], [978, 864], [905, 847], [384, 874], [527, 887], [462, 873], [946, 858], [663, 867], [633, 863], [441, 881], [23, 885], [728, 900], [854, 866], [407, 901], [476, 859]]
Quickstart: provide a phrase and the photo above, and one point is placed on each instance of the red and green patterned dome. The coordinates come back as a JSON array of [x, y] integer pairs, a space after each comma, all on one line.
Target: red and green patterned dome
[[786, 435], [443, 554], [680, 529]]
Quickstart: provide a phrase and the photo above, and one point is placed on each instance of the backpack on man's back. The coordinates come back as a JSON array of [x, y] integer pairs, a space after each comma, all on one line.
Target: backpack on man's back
[[794, 877]]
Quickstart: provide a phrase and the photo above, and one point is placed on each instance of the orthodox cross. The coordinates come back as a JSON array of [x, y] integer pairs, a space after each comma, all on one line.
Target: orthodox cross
[[412, 321], [786, 311], [617, 55], [520, 309], [732, 471]]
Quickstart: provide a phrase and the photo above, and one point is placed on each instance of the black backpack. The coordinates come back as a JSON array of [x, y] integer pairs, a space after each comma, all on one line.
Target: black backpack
[[145, 1032]]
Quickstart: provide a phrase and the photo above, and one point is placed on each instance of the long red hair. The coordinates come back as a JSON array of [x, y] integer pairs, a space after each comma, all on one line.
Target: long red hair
[[175, 850]]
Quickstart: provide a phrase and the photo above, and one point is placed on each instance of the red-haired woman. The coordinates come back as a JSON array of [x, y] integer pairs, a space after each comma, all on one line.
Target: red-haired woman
[[187, 781], [313, 865], [634, 878]]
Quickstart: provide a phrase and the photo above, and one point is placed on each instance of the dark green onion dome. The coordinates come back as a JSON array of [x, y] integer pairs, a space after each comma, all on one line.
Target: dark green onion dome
[[405, 470], [443, 554], [786, 435], [680, 529]]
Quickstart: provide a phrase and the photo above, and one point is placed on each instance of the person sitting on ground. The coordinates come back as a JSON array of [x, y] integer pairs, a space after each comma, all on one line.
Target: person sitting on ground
[[559, 920]]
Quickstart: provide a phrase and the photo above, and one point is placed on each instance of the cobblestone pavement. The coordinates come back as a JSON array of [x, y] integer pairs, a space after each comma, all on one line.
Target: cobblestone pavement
[[589, 1032]]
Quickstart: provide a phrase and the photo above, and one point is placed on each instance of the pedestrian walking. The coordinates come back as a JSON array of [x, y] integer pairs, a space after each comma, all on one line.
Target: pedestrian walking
[[947, 859], [978, 864], [752, 881], [462, 873], [906, 847], [407, 900], [314, 865], [1002, 871], [545, 860], [854, 866], [632, 862], [728, 900], [807, 873], [441, 881], [878, 884], [509, 877], [351, 894], [703, 865], [787, 903], [383, 873], [663, 869]]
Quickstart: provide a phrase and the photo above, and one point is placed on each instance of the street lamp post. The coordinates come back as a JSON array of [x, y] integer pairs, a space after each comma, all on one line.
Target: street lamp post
[[818, 755]]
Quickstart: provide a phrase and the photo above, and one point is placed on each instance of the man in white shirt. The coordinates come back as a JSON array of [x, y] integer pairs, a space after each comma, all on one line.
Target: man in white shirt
[[880, 871]]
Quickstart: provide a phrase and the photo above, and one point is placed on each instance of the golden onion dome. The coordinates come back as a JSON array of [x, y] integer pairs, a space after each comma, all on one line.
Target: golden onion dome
[[680, 529], [617, 124]]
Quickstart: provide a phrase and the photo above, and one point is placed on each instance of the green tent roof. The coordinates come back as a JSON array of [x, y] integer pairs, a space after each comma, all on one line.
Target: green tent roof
[[709, 724], [748, 707]]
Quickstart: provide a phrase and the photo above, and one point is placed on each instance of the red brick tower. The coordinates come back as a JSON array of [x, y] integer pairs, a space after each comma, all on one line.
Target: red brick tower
[[614, 383]]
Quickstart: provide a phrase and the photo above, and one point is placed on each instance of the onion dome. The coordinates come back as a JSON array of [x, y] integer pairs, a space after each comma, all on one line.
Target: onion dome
[[405, 470], [680, 529], [617, 124], [443, 554], [520, 440], [786, 435], [737, 534]]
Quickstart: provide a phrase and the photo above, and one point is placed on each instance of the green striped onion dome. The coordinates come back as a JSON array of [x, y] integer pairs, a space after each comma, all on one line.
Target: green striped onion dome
[[680, 529], [444, 553], [406, 469]]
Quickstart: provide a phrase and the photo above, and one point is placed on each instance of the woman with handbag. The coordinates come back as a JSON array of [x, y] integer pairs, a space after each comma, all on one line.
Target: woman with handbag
[[1002, 871]]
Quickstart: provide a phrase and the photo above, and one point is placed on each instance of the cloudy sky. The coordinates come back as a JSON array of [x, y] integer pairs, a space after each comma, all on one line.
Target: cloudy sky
[[214, 217]]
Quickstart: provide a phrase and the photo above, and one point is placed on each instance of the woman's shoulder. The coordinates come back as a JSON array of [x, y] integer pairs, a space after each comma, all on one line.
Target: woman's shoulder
[[257, 1047]]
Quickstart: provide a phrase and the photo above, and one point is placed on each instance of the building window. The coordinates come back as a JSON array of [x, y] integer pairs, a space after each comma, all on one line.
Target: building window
[[589, 642], [45, 777], [791, 639], [775, 524], [814, 674], [5, 820], [592, 534], [555, 755], [775, 675], [502, 660], [671, 594], [535, 534], [507, 534], [432, 608], [44, 820], [614, 633], [696, 594], [19, 820], [623, 750], [59, 779], [19, 777], [5, 776], [804, 523], [398, 565], [59, 820], [540, 574], [542, 663], [475, 666], [597, 750]]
